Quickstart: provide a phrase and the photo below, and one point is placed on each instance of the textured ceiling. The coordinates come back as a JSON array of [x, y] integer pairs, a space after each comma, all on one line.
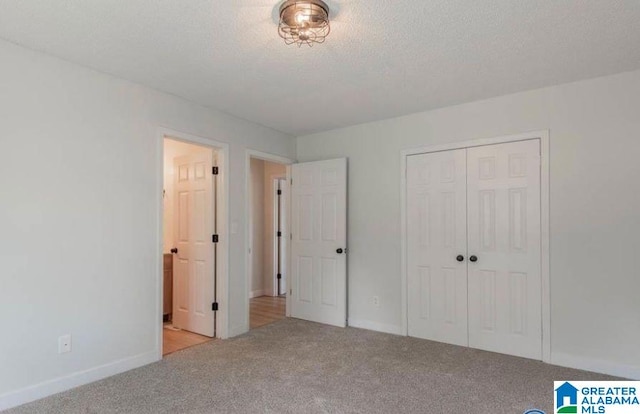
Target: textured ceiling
[[383, 58]]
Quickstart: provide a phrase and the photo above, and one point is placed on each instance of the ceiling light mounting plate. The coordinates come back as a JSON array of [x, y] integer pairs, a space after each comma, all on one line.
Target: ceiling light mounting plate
[[304, 22]]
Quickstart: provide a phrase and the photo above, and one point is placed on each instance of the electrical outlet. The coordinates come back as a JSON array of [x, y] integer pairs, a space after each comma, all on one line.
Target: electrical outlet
[[64, 344], [376, 301]]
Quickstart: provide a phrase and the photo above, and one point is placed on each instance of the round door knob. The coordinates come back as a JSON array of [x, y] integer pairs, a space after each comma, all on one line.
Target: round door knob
[[174, 250], [460, 258], [473, 258], [339, 251]]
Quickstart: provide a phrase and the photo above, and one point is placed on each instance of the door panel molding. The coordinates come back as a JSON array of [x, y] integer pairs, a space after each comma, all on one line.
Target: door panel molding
[[543, 136], [318, 233], [503, 214], [437, 280], [194, 220]]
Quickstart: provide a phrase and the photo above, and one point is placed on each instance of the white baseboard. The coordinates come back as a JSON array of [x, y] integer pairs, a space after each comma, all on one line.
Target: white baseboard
[[256, 293], [56, 385], [375, 326], [595, 365]]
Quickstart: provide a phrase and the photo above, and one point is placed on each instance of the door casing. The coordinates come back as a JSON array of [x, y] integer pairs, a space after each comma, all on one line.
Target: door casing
[[222, 220], [250, 153], [280, 217], [543, 136]]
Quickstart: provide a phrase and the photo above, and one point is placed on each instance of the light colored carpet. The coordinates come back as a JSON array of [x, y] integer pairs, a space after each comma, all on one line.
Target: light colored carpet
[[294, 366]]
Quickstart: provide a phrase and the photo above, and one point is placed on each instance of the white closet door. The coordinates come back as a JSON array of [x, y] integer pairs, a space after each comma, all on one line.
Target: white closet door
[[504, 234], [437, 235], [318, 246]]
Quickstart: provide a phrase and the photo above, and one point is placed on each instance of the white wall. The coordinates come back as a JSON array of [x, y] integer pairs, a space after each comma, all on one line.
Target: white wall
[[595, 204], [173, 149], [79, 218], [257, 228]]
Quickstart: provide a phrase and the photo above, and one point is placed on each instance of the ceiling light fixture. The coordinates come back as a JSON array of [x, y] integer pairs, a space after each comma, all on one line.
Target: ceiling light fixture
[[304, 22]]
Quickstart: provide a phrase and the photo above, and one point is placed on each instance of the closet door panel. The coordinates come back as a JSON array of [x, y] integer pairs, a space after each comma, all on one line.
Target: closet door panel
[[436, 232], [504, 234]]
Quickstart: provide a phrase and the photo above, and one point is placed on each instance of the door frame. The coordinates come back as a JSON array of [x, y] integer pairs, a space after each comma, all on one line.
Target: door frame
[[265, 156], [222, 221], [543, 136], [279, 206]]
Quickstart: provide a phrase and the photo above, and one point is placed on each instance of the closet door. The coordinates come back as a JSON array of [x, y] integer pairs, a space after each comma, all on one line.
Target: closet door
[[504, 248], [436, 232]]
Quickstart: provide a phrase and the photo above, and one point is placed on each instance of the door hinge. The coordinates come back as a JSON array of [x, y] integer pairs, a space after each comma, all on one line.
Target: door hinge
[[214, 170], [214, 306], [215, 238], [290, 292], [279, 234], [279, 192], [279, 276]]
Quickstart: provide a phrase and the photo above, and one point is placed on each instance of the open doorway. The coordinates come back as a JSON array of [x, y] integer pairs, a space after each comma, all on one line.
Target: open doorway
[[268, 235], [189, 244]]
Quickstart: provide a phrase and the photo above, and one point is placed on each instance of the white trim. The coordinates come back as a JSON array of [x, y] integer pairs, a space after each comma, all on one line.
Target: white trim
[[67, 382], [545, 240], [477, 142], [376, 326], [279, 211], [222, 262], [543, 136], [274, 236], [596, 365], [404, 310], [286, 249], [265, 156]]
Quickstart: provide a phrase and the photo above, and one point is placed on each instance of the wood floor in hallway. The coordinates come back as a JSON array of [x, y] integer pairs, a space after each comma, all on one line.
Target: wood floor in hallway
[[175, 340], [266, 310]]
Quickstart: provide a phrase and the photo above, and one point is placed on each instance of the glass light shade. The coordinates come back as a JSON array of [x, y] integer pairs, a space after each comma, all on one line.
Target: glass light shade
[[304, 22]]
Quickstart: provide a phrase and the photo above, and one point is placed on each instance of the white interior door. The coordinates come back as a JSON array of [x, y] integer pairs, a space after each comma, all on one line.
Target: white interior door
[[504, 235], [318, 283], [437, 244], [194, 263]]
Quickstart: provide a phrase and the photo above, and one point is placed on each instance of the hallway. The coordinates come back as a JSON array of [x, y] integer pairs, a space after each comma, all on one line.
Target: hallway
[[266, 310]]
